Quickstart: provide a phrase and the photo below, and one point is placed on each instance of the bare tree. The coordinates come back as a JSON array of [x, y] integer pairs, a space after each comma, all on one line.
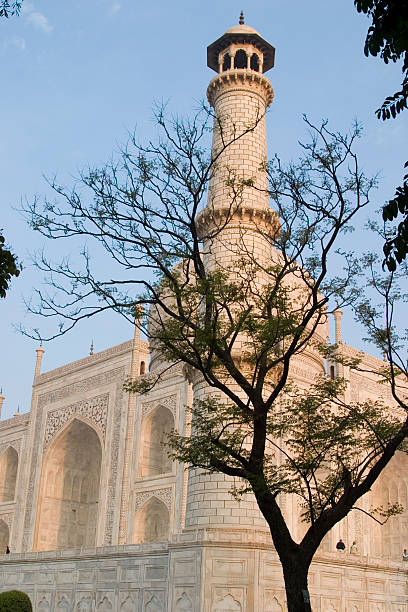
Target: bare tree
[[8, 9], [236, 323]]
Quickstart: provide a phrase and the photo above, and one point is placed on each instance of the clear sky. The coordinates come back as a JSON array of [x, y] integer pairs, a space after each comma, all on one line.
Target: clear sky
[[76, 76]]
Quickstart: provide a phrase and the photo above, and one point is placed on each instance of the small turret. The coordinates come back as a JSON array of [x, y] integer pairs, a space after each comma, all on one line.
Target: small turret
[[40, 351], [337, 323]]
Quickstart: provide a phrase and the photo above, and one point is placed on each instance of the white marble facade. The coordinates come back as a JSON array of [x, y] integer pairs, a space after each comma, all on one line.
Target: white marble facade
[[98, 518]]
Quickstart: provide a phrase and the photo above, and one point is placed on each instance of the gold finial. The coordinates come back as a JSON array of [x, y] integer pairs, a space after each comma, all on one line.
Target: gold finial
[[91, 349], [241, 18], [18, 411]]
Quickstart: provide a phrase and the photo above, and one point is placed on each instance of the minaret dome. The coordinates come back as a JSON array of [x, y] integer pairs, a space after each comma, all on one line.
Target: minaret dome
[[240, 48]]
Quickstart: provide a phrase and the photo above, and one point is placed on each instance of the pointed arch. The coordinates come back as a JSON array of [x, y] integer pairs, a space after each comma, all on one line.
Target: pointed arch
[[64, 604], [228, 604], [184, 604], [226, 62], [104, 605], [128, 605], [154, 605], [154, 458], [152, 522], [241, 59], [273, 606], [8, 474], [391, 489], [255, 62], [4, 537], [69, 491], [43, 605]]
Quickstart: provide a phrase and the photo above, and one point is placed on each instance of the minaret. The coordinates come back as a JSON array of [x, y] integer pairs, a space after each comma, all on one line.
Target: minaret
[[240, 95], [238, 202]]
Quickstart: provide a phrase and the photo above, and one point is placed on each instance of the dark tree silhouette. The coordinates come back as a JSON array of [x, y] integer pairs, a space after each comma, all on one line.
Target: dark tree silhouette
[[388, 37], [8, 9], [9, 266]]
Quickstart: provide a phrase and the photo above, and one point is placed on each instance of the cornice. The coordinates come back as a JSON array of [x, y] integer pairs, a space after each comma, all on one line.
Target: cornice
[[90, 360], [240, 79], [21, 419]]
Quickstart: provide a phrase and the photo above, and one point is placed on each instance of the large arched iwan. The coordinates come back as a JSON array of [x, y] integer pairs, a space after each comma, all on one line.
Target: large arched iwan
[[67, 513]]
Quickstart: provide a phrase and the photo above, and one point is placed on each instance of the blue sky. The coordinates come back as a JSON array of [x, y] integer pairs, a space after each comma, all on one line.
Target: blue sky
[[76, 76]]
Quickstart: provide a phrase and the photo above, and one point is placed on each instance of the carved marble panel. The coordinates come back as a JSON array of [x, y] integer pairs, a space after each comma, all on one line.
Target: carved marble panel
[[272, 602], [16, 444], [63, 602], [226, 604], [165, 495], [170, 402], [153, 601], [105, 603], [84, 602], [330, 605], [377, 606], [129, 601], [43, 602], [354, 606], [228, 599], [184, 603], [114, 462], [93, 410]]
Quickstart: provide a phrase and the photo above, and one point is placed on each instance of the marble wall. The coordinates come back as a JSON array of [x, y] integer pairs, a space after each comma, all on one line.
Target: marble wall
[[197, 574]]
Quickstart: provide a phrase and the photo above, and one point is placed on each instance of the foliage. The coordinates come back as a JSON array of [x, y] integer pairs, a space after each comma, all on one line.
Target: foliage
[[237, 324], [9, 267], [15, 601], [388, 36], [396, 246], [8, 9]]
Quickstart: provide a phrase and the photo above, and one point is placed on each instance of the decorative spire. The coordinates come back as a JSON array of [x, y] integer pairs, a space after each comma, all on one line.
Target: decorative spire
[[18, 411], [91, 349], [40, 351], [337, 322], [1, 400], [241, 18]]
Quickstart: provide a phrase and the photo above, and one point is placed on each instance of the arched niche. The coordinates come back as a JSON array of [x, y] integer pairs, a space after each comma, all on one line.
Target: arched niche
[[154, 605], [184, 604], [226, 62], [254, 62], [4, 537], [142, 368], [240, 59], [69, 494], [154, 458], [387, 541], [8, 474], [227, 604], [152, 522]]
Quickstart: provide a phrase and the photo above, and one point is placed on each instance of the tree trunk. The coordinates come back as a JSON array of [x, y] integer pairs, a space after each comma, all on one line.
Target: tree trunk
[[297, 594]]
